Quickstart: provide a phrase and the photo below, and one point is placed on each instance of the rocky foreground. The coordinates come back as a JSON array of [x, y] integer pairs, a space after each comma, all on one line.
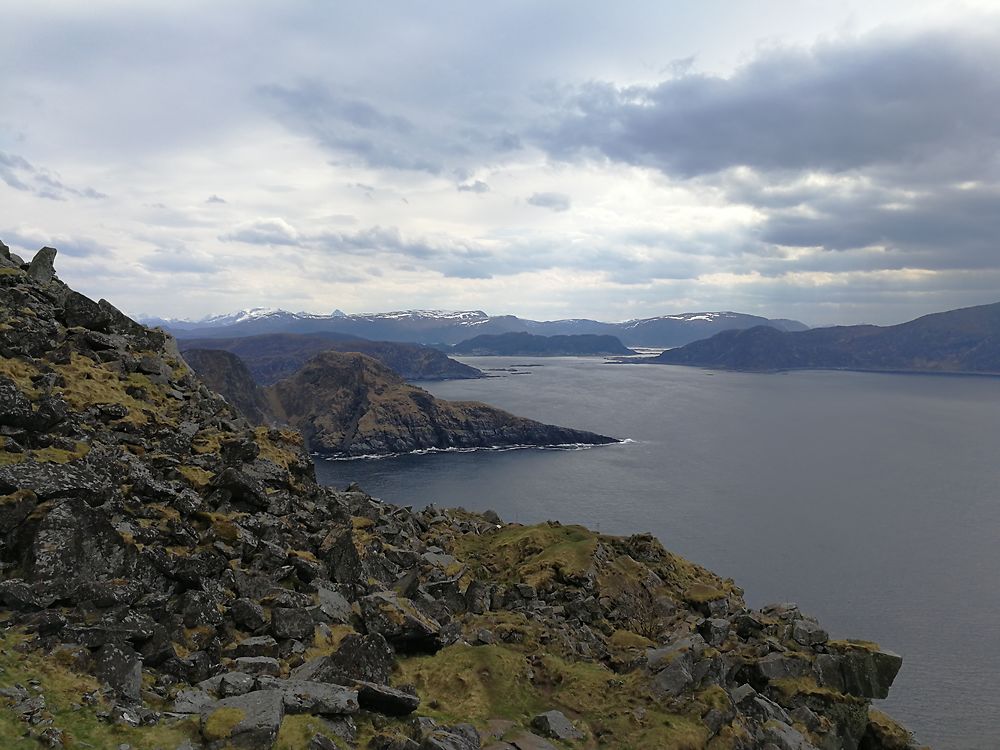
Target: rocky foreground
[[173, 577]]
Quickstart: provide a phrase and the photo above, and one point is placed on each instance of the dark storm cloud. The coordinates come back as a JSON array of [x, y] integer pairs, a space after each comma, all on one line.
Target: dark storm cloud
[[552, 201], [837, 106]]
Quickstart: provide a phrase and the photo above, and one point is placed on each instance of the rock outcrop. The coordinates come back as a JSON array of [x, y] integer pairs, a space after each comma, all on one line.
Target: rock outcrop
[[171, 576], [349, 404]]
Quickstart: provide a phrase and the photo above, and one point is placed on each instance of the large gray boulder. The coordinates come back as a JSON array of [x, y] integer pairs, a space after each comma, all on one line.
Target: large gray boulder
[[249, 722], [303, 697], [863, 670], [368, 658], [555, 724]]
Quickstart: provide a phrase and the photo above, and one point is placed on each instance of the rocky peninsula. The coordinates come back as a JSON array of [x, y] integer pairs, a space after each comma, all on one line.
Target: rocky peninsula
[[172, 576]]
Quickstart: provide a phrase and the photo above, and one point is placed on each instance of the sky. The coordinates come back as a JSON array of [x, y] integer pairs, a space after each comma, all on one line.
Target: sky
[[833, 162]]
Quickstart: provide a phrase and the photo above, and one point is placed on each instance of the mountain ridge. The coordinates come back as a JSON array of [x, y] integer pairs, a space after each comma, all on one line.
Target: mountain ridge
[[444, 327], [964, 340]]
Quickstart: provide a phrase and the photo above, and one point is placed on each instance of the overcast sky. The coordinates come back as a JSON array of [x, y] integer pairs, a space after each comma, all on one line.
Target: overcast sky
[[828, 161]]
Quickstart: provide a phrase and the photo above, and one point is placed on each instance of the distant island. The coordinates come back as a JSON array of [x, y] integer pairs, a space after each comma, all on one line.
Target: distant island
[[958, 341], [349, 404], [273, 356], [530, 345]]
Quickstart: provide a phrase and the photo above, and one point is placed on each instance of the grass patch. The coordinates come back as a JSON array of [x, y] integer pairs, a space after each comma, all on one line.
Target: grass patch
[[296, 731], [63, 689], [219, 724], [196, 477]]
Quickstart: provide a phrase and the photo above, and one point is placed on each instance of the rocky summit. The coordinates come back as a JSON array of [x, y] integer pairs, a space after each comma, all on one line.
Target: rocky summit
[[173, 577]]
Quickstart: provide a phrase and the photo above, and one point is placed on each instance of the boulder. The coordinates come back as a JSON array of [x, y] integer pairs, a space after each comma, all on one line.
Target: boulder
[[386, 700], [15, 408], [120, 667], [809, 633], [260, 645], [555, 724], [258, 665], [42, 267], [302, 696], [82, 311], [368, 658], [864, 670], [248, 721], [292, 623], [400, 622]]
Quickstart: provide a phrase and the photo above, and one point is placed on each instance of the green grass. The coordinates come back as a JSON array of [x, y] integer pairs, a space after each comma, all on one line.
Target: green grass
[[62, 689]]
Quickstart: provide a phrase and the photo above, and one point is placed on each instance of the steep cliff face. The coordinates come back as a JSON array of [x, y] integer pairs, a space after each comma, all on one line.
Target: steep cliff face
[[350, 404], [172, 577], [227, 375]]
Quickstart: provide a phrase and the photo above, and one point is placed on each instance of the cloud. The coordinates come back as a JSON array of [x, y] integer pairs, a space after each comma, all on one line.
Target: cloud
[[31, 239], [273, 231], [215, 199], [552, 201], [20, 174], [836, 106], [474, 187]]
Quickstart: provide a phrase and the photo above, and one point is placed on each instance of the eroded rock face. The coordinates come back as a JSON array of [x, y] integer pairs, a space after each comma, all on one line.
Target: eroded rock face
[[154, 538]]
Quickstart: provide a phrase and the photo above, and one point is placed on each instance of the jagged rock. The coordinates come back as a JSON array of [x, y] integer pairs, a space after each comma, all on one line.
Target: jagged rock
[[386, 700], [192, 701], [302, 696], [292, 623], [862, 671], [777, 666], [714, 631], [400, 622], [334, 606], [555, 724], [51, 481], [368, 658], [248, 721], [248, 615], [15, 407], [236, 683], [261, 645], [42, 266], [392, 742], [120, 667], [82, 311], [809, 633], [450, 739], [785, 737], [258, 665]]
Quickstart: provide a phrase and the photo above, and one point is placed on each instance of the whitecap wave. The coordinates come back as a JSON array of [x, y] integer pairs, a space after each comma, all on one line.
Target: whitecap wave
[[491, 448]]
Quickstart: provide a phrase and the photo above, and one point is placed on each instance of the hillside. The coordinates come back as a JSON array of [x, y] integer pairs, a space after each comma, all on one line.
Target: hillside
[[529, 345], [443, 327], [350, 404], [965, 340], [274, 356], [226, 374], [171, 577]]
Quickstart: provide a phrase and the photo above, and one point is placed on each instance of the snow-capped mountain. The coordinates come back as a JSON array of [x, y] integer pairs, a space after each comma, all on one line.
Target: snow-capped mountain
[[452, 326]]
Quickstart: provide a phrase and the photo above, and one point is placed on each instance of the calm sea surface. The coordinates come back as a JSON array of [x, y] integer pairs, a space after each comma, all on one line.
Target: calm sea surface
[[871, 500]]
